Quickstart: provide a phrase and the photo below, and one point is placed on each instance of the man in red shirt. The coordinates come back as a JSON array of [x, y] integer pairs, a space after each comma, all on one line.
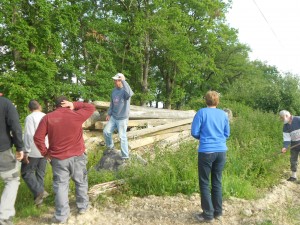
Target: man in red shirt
[[66, 152]]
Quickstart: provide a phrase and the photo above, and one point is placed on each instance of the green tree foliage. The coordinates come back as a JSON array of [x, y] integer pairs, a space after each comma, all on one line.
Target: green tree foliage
[[290, 94], [170, 51], [263, 87], [28, 48]]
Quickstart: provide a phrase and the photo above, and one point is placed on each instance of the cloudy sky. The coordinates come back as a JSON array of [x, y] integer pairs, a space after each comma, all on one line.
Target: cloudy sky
[[271, 28]]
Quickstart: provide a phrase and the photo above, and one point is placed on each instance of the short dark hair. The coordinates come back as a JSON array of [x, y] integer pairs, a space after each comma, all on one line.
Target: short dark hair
[[59, 100], [33, 105]]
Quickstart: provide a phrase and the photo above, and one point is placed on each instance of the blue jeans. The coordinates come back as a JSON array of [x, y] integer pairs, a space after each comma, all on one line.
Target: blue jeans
[[33, 174], [121, 125], [211, 198]]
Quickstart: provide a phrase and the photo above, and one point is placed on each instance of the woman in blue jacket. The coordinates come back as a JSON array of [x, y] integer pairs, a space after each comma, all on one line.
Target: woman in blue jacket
[[211, 127]]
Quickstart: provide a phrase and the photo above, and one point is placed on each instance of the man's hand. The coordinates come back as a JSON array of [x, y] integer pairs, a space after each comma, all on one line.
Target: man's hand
[[107, 117], [67, 104], [48, 158], [19, 155], [122, 77], [25, 158], [283, 150]]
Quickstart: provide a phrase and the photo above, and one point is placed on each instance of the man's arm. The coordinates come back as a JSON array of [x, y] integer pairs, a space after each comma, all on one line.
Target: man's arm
[[84, 109], [127, 88], [39, 136], [15, 127], [195, 129], [286, 142], [29, 132]]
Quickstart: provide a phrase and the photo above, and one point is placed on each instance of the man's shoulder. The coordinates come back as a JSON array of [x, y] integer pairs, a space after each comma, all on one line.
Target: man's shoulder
[[5, 102], [35, 115], [38, 114]]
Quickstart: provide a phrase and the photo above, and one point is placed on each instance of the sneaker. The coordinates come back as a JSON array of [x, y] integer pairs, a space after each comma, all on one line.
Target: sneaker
[[102, 143], [201, 219], [45, 194], [219, 218], [83, 211], [56, 221], [292, 179], [39, 199]]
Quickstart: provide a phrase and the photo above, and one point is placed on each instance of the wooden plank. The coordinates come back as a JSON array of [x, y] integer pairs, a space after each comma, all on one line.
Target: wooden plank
[[142, 112], [138, 133], [174, 114], [104, 187], [101, 104], [174, 129], [138, 123], [105, 105], [176, 137], [133, 144]]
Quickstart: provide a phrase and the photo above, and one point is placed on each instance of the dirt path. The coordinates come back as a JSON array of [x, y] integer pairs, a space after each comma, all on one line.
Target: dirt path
[[280, 206]]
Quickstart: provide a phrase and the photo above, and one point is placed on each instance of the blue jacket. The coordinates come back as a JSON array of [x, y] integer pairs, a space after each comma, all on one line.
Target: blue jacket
[[211, 127]]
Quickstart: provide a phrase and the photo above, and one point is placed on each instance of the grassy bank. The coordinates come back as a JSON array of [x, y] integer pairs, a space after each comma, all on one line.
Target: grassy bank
[[253, 165]]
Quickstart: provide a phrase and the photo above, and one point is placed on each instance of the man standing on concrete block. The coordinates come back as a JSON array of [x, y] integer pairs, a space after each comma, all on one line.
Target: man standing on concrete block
[[118, 114]]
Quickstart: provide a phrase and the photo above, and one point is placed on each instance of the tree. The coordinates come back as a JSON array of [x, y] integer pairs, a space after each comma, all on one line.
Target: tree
[[29, 49]]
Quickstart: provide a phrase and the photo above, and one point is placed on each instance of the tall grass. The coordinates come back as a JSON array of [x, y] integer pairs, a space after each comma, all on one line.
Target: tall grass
[[253, 165], [172, 171], [254, 147]]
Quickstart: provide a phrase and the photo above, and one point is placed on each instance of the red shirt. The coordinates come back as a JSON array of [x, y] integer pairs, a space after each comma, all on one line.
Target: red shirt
[[64, 130]]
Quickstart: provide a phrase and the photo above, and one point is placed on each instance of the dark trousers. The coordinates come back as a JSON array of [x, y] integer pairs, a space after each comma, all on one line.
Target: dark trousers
[[294, 159], [211, 166], [33, 174]]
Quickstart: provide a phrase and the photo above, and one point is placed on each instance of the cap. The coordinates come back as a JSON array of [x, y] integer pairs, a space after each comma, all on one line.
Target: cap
[[118, 76]]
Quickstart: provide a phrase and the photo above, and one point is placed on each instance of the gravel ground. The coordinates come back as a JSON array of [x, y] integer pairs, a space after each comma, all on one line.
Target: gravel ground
[[276, 207]]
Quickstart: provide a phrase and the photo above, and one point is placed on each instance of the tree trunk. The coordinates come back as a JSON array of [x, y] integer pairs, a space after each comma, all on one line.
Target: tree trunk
[[146, 69]]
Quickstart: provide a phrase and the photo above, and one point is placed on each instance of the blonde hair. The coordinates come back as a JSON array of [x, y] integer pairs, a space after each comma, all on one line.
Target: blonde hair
[[212, 98]]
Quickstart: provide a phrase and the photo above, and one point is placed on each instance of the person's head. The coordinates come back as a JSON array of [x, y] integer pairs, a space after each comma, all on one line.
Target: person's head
[[118, 80], [212, 98], [59, 100], [33, 105], [285, 116]]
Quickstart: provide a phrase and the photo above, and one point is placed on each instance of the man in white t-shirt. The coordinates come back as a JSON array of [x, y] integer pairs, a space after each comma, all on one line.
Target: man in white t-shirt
[[34, 164]]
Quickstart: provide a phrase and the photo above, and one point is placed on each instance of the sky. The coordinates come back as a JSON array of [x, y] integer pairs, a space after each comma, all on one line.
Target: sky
[[271, 28]]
